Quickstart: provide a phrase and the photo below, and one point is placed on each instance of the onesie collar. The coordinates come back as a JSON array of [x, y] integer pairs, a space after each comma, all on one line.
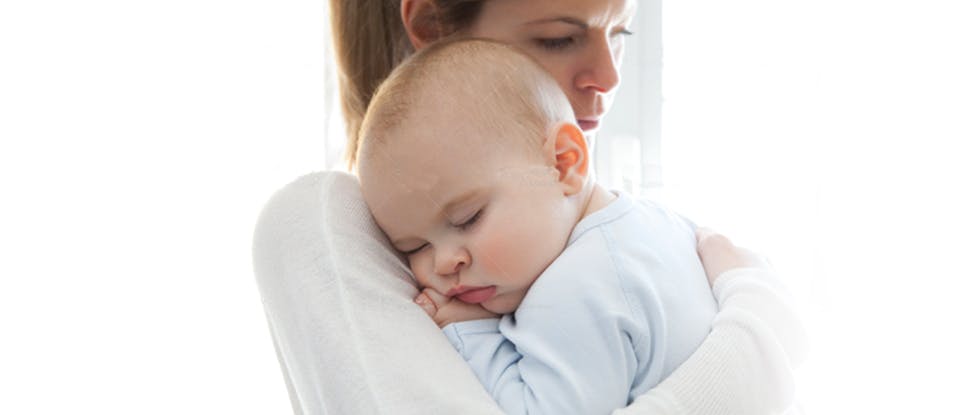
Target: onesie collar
[[613, 211]]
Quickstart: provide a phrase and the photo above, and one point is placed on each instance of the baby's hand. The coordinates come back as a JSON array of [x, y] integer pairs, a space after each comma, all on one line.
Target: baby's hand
[[445, 310]]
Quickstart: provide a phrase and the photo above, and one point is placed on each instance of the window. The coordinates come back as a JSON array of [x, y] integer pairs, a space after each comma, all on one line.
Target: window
[[627, 148]]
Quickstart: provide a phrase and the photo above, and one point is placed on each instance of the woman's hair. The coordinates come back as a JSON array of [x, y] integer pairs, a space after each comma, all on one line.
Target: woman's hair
[[370, 41]]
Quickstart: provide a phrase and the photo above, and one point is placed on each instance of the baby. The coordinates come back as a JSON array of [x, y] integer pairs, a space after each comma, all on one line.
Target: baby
[[563, 297]]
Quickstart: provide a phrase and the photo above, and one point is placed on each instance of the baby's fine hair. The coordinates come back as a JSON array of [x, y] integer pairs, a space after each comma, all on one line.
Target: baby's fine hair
[[493, 83]]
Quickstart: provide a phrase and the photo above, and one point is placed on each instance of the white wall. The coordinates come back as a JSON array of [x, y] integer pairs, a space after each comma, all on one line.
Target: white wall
[[830, 135], [138, 141]]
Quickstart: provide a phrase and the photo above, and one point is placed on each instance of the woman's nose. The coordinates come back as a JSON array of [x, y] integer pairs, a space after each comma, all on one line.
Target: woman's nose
[[449, 261], [600, 72]]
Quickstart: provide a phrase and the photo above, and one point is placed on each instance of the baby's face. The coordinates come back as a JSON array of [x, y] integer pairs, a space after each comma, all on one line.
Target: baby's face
[[477, 220]]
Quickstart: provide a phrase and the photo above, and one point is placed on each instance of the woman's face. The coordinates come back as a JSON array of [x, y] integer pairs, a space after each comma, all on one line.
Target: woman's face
[[580, 42]]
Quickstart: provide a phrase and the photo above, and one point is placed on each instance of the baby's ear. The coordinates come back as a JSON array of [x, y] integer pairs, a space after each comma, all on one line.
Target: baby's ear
[[567, 146]]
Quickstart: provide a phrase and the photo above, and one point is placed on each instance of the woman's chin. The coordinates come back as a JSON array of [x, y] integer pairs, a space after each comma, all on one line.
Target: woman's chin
[[589, 127]]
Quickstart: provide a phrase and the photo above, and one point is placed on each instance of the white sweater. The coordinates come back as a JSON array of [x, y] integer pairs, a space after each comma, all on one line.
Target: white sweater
[[350, 340]]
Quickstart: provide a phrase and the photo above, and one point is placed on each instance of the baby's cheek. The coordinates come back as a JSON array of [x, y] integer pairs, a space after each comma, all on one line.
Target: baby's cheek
[[505, 255], [492, 254], [421, 267]]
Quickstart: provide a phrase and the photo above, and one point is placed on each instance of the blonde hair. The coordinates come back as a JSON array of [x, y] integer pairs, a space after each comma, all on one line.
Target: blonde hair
[[507, 91], [370, 41]]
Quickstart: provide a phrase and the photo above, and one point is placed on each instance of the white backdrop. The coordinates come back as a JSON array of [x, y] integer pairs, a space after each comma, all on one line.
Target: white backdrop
[[138, 141], [831, 135]]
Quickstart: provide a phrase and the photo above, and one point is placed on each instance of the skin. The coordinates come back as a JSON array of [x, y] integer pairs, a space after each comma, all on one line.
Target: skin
[[579, 42], [490, 219]]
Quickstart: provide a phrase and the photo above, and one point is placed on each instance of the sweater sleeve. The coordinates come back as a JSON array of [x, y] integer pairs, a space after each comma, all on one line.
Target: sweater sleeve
[[338, 301], [553, 357], [745, 364]]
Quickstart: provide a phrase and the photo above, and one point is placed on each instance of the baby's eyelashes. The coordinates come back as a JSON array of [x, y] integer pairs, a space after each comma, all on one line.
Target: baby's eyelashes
[[470, 221], [415, 250]]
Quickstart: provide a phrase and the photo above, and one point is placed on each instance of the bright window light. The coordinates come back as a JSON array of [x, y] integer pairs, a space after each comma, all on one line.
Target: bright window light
[[830, 136]]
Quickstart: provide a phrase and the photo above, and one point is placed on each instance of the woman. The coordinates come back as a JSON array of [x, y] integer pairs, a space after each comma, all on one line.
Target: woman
[[347, 335]]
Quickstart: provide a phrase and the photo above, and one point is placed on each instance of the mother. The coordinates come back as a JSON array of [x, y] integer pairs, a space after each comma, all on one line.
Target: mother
[[338, 298]]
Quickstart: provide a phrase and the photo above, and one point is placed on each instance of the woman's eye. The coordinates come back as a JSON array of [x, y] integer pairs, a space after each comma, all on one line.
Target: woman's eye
[[415, 250], [558, 43], [471, 221], [623, 32]]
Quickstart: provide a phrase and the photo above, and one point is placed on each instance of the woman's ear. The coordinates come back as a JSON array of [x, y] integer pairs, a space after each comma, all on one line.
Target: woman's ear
[[571, 156], [420, 18]]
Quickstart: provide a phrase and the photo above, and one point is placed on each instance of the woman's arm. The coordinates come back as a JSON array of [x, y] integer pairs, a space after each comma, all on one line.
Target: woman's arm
[[745, 364], [338, 302]]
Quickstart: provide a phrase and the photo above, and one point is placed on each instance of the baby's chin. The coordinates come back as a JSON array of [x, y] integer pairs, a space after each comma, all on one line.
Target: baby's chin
[[502, 304]]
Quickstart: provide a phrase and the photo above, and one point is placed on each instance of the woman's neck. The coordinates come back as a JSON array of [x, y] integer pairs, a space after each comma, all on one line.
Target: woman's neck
[[598, 199]]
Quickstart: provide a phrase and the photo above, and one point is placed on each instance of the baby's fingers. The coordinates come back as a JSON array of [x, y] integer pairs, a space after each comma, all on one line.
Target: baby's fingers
[[426, 304], [432, 300]]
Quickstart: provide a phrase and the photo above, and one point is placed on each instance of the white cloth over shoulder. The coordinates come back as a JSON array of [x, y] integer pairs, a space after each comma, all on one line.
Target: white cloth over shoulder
[[350, 341], [339, 304]]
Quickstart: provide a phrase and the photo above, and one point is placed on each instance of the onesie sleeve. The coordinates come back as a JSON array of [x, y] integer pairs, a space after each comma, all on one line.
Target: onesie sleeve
[[566, 350], [745, 366]]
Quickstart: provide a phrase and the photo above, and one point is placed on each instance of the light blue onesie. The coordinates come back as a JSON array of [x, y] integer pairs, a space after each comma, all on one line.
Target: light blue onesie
[[625, 303]]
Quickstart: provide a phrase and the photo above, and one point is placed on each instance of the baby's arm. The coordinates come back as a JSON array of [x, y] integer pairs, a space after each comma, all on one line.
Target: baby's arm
[[555, 356]]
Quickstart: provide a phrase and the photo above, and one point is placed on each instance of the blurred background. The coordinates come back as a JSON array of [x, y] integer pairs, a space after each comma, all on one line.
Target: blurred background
[[139, 140]]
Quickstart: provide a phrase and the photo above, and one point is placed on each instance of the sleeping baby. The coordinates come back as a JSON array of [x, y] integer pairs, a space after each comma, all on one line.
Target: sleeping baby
[[562, 296]]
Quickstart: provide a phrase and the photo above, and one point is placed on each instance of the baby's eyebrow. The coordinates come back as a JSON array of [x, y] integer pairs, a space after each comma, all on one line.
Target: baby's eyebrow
[[442, 212], [398, 242], [458, 201]]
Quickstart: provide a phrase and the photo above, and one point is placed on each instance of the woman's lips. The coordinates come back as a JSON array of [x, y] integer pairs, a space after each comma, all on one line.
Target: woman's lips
[[588, 125], [473, 295]]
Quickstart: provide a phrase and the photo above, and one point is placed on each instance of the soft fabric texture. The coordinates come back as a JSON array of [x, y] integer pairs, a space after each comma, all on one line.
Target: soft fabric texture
[[624, 304], [350, 340], [339, 304]]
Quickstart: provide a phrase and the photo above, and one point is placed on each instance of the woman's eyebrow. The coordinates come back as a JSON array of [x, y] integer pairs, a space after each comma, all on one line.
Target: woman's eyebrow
[[562, 19]]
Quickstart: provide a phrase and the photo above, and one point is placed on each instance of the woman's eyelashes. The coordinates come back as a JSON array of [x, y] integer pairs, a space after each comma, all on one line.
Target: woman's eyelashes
[[557, 43], [623, 32], [565, 42]]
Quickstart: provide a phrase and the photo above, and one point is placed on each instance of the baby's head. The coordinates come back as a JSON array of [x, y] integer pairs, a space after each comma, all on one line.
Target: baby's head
[[471, 163]]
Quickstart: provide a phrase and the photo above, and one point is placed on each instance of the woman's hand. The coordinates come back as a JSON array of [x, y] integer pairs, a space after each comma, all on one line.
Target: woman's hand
[[719, 255], [446, 310]]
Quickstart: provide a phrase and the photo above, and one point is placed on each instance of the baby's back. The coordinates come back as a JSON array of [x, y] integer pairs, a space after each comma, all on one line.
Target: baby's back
[[639, 262], [657, 253]]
